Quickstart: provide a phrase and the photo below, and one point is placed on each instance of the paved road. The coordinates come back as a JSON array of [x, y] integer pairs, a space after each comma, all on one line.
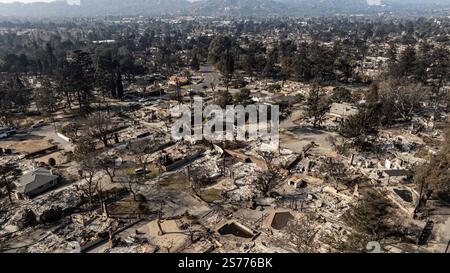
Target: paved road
[[444, 233], [48, 132], [210, 76]]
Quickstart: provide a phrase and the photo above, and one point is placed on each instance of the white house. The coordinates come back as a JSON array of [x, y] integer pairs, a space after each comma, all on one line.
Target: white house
[[36, 182]]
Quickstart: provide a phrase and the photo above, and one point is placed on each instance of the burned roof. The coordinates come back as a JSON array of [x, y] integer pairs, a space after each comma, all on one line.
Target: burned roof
[[343, 110], [397, 173]]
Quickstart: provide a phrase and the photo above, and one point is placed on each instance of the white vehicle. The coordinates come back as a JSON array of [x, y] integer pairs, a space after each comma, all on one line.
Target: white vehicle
[[6, 132], [144, 100]]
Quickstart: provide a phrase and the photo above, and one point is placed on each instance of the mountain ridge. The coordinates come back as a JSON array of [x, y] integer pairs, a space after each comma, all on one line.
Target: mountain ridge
[[223, 7]]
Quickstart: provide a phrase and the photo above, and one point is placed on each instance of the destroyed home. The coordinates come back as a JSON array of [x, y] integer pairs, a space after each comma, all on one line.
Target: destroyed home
[[89, 162], [342, 111]]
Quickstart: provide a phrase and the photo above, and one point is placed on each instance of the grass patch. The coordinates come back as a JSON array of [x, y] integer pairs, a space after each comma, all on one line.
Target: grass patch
[[175, 182], [211, 195], [187, 87]]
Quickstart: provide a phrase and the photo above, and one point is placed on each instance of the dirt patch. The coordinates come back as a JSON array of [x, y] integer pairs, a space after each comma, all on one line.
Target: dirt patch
[[27, 146], [124, 207], [171, 239], [296, 139]]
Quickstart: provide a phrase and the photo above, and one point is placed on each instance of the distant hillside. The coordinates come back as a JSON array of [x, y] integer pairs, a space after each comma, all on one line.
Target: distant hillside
[[96, 8], [317, 7], [330, 7], [133, 7], [59, 8], [238, 7], [226, 7]]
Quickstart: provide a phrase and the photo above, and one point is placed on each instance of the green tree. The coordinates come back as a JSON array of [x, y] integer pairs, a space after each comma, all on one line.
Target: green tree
[[105, 78], [217, 48], [221, 55], [342, 94], [361, 125], [195, 63], [406, 65], [51, 162], [79, 79], [13, 96]]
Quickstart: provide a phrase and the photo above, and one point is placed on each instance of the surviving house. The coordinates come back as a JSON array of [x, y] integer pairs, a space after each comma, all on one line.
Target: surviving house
[[36, 182]]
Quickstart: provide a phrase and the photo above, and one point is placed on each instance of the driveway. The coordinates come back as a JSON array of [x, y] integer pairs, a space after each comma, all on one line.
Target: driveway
[[48, 133]]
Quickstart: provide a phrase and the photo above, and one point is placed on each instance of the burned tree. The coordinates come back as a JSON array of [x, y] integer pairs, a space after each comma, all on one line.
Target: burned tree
[[360, 126], [433, 179], [198, 179], [317, 105], [131, 183], [404, 98], [71, 129], [371, 219], [9, 172], [45, 98], [270, 177], [266, 182], [108, 165], [302, 233], [99, 126], [142, 150], [86, 155]]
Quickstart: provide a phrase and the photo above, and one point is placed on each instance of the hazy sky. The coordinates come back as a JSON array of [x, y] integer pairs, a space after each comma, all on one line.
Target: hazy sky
[[29, 1], [25, 1], [372, 2]]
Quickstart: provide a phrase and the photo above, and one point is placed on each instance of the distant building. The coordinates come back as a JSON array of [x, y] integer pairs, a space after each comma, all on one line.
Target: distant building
[[36, 182], [104, 42], [179, 81]]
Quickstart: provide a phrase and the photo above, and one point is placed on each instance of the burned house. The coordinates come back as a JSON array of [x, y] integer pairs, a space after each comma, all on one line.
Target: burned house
[[342, 111], [396, 175], [178, 81], [278, 219], [295, 181]]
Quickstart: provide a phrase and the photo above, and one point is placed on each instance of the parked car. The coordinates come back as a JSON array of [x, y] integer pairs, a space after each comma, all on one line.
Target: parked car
[[134, 105], [38, 124], [6, 132], [144, 99], [139, 172]]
